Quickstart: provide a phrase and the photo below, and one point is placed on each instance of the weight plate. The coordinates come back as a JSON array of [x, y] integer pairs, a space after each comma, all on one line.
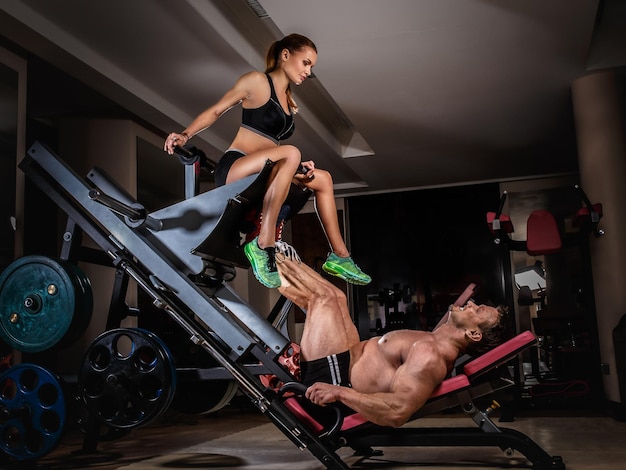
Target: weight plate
[[84, 304], [33, 412], [41, 301], [128, 377]]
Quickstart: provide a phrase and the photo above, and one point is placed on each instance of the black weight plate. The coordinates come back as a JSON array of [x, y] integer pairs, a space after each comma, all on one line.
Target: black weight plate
[[128, 377]]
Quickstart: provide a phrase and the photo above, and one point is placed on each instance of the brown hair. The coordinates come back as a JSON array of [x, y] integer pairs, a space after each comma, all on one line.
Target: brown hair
[[492, 335], [293, 42]]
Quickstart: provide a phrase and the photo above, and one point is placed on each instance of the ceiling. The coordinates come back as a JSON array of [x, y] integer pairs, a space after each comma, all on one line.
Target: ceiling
[[407, 94]]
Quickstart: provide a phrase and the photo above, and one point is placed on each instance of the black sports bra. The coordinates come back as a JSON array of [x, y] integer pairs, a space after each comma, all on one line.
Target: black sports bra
[[269, 120]]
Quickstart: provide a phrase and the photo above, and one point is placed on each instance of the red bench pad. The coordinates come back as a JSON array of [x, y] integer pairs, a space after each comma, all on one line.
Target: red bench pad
[[447, 387], [543, 237], [499, 354]]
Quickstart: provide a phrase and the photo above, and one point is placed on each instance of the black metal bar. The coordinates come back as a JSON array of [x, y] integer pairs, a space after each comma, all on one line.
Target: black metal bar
[[584, 197], [278, 308], [455, 437], [501, 206], [72, 240], [116, 206], [118, 309]]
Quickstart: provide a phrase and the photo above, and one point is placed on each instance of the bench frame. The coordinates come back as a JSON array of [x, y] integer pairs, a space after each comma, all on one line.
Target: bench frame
[[479, 377]]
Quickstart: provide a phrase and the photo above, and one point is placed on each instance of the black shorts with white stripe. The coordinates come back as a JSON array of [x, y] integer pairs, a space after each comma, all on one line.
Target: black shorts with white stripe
[[332, 369]]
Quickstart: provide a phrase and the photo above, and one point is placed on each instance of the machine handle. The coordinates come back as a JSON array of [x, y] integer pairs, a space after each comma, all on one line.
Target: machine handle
[[133, 213], [300, 389], [189, 155]]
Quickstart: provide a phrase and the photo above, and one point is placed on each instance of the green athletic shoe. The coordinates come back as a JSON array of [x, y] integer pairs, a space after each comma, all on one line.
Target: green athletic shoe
[[263, 263], [346, 269]]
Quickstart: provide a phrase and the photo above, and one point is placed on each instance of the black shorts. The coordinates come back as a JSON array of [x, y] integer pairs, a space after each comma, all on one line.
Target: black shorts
[[333, 370], [223, 165]]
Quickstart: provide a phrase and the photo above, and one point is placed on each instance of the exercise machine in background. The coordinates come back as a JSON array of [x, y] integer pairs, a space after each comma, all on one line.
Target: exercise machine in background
[[555, 291]]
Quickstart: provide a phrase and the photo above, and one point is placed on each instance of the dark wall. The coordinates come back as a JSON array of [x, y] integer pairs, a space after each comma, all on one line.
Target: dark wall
[[434, 241]]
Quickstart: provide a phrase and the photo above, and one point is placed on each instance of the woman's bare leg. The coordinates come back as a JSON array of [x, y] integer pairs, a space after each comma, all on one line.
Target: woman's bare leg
[[287, 160], [339, 263], [326, 209]]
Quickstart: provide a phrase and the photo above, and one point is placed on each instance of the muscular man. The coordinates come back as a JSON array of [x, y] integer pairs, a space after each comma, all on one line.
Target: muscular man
[[388, 378]]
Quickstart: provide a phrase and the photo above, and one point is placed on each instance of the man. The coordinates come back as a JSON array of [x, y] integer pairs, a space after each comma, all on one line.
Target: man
[[386, 379]]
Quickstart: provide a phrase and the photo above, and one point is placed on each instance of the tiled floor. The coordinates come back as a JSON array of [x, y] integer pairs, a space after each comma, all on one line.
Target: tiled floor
[[238, 437]]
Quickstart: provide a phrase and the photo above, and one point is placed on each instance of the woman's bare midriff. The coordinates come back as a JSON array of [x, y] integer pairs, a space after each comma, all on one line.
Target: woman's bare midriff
[[248, 142]]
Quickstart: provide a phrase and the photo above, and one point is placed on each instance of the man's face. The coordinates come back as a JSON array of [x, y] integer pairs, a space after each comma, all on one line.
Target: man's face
[[470, 315]]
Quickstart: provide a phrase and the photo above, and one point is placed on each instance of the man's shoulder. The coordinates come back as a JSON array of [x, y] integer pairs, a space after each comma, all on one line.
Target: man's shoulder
[[426, 345], [407, 340], [427, 352], [408, 335]]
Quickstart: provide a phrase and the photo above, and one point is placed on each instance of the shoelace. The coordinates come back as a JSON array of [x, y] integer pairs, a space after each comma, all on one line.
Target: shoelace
[[271, 259], [287, 251]]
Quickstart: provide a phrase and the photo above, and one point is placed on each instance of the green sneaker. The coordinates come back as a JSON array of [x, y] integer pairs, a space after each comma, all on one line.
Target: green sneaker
[[346, 269], [263, 263]]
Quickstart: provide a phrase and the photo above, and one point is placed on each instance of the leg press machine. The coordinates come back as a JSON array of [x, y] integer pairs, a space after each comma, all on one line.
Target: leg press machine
[[181, 257]]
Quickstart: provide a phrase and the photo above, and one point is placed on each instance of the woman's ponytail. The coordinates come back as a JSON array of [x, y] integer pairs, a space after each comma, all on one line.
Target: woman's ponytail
[[293, 42]]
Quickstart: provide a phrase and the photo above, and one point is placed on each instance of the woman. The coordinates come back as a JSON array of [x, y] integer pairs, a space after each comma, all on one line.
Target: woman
[[268, 111]]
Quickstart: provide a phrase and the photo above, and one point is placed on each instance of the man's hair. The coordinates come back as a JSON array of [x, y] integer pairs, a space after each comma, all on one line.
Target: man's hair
[[492, 335]]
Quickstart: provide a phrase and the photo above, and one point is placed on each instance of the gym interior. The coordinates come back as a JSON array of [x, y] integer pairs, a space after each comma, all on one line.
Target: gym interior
[[97, 257]]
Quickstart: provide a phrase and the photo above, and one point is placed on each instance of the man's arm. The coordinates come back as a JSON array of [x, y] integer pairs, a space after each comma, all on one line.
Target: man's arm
[[411, 387]]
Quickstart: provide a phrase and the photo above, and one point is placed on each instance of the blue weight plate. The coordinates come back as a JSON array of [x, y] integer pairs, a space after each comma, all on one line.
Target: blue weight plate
[[37, 303], [34, 406]]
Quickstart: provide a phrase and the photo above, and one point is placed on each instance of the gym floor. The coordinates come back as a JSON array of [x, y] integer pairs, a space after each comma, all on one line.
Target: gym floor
[[238, 437]]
